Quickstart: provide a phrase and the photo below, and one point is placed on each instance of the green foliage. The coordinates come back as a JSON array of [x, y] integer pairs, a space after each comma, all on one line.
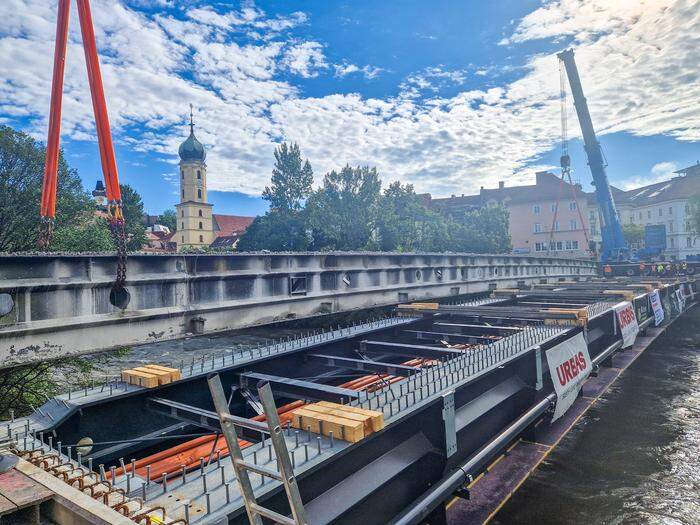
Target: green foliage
[[694, 203], [634, 234], [275, 231], [484, 230], [132, 208], [404, 224], [342, 215], [291, 180], [21, 174], [168, 218], [88, 233], [27, 387]]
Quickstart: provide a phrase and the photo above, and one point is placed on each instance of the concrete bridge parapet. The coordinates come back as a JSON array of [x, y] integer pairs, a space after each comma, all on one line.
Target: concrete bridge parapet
[[60, 303]]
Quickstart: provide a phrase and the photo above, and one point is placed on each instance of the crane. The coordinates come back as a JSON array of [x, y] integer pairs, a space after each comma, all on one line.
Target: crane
[[614, 247]]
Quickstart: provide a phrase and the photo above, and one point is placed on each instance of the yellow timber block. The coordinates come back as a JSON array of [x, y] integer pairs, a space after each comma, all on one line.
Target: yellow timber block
[[342, 428], [377, 418], [163, 376], [137, 378], [420, 306], [175, 374]]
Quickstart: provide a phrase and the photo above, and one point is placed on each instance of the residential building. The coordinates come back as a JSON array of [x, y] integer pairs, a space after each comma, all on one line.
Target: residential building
[[667, 204], [548, 217]]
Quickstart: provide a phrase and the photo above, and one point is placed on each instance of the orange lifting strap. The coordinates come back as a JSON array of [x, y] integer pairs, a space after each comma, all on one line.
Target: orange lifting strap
[[104, 135], [119, 296]]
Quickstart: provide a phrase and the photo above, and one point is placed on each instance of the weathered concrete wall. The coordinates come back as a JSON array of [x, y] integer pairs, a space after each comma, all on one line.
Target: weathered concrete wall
[[61, 303]]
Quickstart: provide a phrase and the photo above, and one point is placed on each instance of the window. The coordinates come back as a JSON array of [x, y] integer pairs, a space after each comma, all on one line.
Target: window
[[200, 225], [536, 209], [572, 205], [591, 216], [536, 228], [568, 245], [183, 238], [553, 207], [556, 226], [201, 238], [199, 193], [182, 172], [640, 215], [182, 213], [687, 209], [670, 210], [183, 194], [573, 225], [199, 175], [661, 212], [632, 219], [687, 226], [670, 226], [574, 245], [648, 214], [540, 247], [200, 213], [688, 242], [183, 225], [673, 241]]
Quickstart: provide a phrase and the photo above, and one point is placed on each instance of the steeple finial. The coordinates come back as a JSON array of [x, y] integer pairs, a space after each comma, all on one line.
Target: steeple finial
[[191, 120]]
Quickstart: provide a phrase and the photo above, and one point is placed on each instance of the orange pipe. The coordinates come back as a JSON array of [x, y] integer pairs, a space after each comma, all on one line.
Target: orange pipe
[[190, 453], [48, 189]]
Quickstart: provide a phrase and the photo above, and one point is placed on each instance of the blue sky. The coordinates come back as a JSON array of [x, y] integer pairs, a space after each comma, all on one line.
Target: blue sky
[[446, 95]]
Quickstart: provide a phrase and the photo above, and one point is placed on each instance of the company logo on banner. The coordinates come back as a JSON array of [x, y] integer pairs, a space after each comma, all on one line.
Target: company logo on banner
[[655, 300], [627, 321], [569, 366]]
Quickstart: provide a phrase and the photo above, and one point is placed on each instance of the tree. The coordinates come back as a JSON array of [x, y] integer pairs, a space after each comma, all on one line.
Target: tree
[[89, 233], [405, 224], [484, 230], [132, 208], [694, 203], [342, 215], [291, 180], [634, 234], [282, 228], [21, 174], [275, 231], [168, 218]]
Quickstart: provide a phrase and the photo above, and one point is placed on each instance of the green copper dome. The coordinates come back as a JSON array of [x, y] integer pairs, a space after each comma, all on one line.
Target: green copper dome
[[192, 149]]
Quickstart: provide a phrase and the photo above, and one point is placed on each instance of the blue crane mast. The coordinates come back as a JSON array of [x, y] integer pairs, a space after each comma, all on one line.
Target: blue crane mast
[[614, 247]]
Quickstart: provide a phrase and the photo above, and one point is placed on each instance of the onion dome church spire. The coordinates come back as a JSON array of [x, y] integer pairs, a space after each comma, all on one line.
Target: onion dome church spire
[[192, 149]]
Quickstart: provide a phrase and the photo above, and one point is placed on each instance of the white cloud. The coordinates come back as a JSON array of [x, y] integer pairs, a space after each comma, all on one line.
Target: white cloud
[[659, 172], [305, 59], [639, 66]]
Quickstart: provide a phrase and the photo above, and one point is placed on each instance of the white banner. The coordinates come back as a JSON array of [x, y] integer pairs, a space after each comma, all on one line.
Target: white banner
[[569, 366], [627, 322], [655, 300], [680, 300]]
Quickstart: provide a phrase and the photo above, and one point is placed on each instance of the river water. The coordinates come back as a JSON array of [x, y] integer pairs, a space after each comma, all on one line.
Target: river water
[[634, 458]]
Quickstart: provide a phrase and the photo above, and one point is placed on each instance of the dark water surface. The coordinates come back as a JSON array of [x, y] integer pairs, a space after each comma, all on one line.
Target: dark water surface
[[635, 456]]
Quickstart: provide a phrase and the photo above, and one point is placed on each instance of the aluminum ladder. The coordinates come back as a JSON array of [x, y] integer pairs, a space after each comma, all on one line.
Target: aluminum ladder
[[285, 473]]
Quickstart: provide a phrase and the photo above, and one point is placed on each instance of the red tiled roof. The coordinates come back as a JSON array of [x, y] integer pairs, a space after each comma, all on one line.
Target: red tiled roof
[[225, 225]]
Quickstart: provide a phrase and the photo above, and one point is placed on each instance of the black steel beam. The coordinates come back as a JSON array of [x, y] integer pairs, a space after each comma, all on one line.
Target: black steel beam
[[431, 352], [299, 388], [423, 335], [365, 365], [187, 413], [482, 329]]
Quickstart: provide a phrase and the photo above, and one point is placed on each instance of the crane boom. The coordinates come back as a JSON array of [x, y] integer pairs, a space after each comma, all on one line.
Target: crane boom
[[614, 246]]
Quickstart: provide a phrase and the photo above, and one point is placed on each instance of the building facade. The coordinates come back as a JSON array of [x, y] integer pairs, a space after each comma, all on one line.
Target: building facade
[[548, 217], [666, 204], [194, 214]]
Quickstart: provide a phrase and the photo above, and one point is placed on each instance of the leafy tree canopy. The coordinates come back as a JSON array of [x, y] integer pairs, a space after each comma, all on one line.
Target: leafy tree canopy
[[342, 215], [21, 174], [132, 208], [291, 180], [168, 218], [633, 233]]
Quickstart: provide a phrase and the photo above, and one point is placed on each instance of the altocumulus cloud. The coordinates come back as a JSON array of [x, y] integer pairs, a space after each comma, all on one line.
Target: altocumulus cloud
[[238, 68]]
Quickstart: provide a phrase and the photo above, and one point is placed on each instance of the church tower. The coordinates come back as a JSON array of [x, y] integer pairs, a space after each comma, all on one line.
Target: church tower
[[194, 214]]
